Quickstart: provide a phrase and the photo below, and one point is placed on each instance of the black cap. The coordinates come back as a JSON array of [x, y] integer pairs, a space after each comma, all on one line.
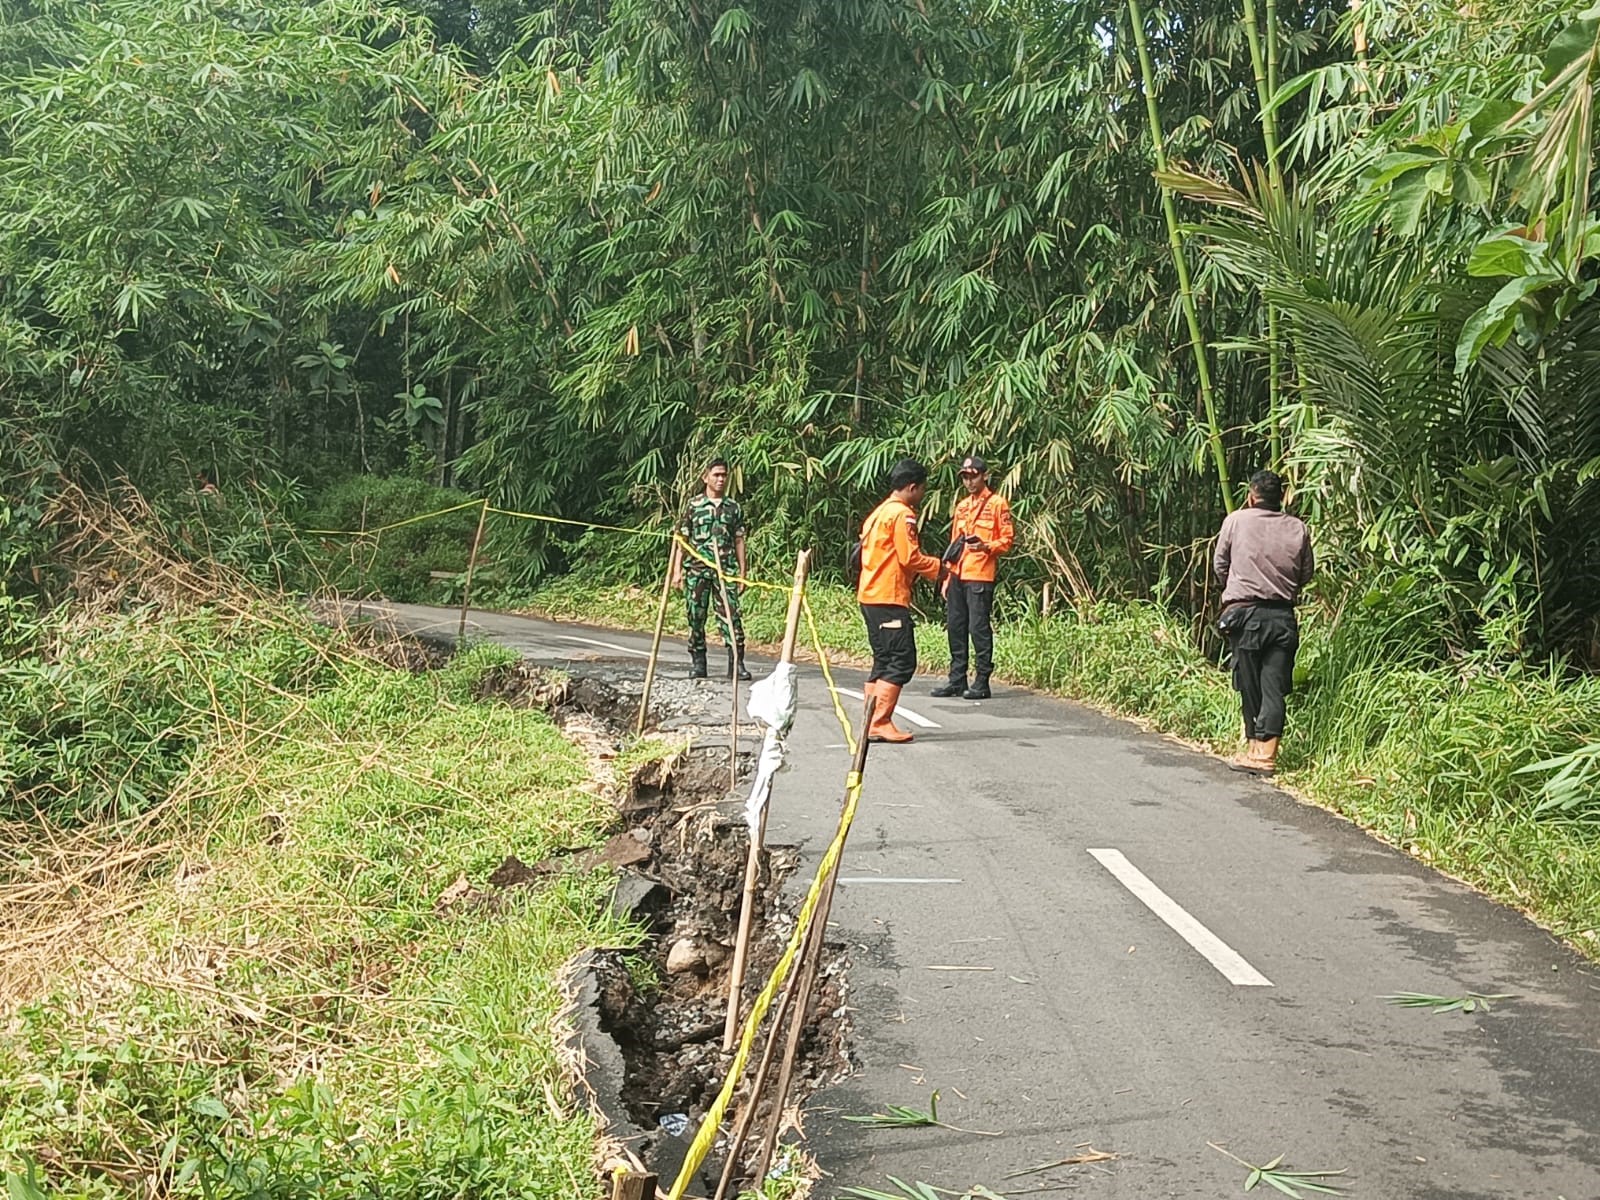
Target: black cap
[[973, 463]]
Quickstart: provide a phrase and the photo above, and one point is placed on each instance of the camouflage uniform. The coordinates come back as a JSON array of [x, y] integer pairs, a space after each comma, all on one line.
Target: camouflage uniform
[[713, 530]]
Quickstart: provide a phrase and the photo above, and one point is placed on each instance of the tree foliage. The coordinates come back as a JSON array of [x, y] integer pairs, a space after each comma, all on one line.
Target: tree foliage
[[560, 253]]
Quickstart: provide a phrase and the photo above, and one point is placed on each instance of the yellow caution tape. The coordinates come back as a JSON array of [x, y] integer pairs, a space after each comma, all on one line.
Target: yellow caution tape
[[549, 520], [707, 1134], [827, 675], [396, 524]]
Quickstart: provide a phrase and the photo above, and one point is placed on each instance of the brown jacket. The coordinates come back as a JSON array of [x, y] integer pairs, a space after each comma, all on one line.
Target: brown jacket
[[1263, 554]]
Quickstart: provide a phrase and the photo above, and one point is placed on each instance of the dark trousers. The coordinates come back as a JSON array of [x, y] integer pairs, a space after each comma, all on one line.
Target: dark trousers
[[1263, 647], [703, 597], [894, 643], [968, 610]]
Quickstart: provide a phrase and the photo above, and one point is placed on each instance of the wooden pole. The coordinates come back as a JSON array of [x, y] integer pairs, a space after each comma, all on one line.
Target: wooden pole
[[808, 975], [759, 1080], [633, 1185], [752, 862], [655, 642], [736, 662], [472, 565]]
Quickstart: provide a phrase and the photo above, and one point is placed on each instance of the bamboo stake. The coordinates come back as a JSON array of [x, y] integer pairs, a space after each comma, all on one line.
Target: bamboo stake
[[633, 1185], [737, 661], [472, 565], [752, 862], [655, 642], [1179, 262], [758, 1081], [808, 974]]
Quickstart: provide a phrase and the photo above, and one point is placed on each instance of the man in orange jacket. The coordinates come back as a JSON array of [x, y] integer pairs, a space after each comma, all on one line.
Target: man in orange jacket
[[890, 560], [980, 533]]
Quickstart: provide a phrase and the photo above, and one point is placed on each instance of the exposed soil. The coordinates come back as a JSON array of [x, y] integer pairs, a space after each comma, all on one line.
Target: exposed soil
[[681, 862]]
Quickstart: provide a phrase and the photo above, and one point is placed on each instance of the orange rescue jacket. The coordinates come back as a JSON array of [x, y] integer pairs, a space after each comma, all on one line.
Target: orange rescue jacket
[[987, 517], [890, 555]]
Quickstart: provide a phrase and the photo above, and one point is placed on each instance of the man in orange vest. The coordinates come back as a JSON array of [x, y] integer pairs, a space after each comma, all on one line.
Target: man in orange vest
[[890, 560], [980, 533]]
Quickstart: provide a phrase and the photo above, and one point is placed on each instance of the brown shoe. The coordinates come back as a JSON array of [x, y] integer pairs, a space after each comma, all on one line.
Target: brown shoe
[[1252, 760]]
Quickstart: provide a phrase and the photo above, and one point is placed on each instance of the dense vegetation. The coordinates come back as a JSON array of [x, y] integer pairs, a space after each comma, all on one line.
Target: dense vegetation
[[556, 254], [356, 260], [230, 961]]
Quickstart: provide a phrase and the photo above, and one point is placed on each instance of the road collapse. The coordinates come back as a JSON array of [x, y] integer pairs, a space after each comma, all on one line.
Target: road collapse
[[646, 1046]]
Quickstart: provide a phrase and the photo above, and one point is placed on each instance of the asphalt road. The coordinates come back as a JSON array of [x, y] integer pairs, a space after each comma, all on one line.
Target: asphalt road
[[1000, 901]]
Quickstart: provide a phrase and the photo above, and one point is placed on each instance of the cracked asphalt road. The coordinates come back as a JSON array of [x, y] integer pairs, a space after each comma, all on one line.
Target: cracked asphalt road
[[1054, 998]]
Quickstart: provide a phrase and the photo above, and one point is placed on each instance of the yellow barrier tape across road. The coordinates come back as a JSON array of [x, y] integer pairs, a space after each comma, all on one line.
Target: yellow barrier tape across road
[[396, 524], [546, 519], [549, 520]]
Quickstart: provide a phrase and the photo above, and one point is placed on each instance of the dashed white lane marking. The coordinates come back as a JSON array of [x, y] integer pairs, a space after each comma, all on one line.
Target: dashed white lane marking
[[567, 637], [1212, 948], [859, 879], [914, 718]]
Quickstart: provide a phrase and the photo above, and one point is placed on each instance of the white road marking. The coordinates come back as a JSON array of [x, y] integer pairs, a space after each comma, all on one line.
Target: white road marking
[[857, 879], [567, 637], [914, 718], [1215, 951]]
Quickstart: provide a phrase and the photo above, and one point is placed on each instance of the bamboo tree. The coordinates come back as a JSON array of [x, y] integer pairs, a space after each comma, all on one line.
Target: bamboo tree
[[1179, 262], [1264, 67]]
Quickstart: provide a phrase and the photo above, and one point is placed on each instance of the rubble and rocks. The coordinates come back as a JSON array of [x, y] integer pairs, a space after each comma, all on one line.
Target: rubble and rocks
[[648, 1023]]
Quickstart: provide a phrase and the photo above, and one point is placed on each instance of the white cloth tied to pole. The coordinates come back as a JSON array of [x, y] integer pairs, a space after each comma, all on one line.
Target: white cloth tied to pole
[[772, 701]]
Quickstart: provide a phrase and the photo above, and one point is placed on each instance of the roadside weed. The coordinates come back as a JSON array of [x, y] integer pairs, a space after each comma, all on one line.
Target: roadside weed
[[901, 1117], [1470, 1002], [282, 1003], [1288, 1180]]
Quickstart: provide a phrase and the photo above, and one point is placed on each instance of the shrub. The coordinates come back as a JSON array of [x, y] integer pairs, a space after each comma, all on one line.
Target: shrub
[[399, 564]]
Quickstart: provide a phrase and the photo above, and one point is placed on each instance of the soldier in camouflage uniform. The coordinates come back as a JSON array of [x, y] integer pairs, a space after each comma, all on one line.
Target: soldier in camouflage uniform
[[714, 526]]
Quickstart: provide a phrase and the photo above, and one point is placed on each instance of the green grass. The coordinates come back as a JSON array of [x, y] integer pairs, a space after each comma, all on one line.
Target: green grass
[[1430, 757], [288, 1012]]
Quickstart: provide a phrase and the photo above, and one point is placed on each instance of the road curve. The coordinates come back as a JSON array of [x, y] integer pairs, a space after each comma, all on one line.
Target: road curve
[[1083, 934]]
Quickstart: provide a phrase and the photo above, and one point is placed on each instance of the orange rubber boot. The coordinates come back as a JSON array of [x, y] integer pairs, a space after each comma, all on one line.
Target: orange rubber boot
[[883, 727]]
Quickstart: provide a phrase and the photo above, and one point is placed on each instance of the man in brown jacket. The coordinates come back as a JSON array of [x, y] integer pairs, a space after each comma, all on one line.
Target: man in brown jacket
[[1263, 560]]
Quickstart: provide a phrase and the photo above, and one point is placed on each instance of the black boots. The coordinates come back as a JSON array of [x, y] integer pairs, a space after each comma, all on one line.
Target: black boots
[[979, 689], [697, 664], [950, 687]]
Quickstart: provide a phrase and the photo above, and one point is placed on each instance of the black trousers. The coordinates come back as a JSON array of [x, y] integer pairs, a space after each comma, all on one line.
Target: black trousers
[[969, 610], [894, 643], [1263, 646]]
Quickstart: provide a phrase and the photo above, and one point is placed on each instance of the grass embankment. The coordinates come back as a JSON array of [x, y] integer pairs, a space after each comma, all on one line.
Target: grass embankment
[[1426, 756], [227, 970]]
